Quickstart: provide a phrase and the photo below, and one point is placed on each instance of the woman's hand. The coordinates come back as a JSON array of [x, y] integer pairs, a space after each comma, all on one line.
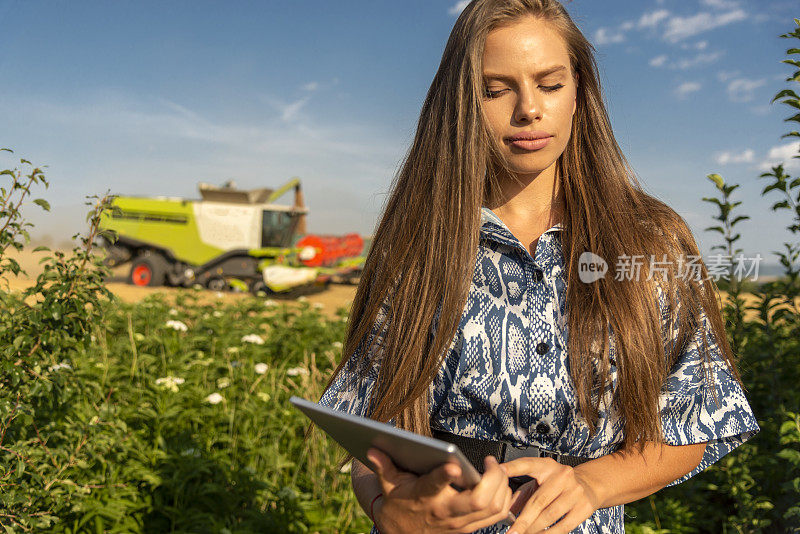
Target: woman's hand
[[562, 497], [427, 504]]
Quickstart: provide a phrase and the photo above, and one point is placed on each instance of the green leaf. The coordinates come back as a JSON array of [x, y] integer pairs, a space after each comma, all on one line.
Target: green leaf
[[785, 92], [717, 179], [43, 203]]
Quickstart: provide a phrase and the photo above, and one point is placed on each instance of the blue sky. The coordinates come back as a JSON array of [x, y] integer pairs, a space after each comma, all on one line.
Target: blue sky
[[154, 97]]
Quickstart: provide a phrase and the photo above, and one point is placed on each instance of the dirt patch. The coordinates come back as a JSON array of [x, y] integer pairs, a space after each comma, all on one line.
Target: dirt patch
[[331, 298]]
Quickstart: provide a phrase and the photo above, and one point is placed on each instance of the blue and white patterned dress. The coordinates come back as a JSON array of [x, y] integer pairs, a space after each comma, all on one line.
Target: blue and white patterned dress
[[506, 377]]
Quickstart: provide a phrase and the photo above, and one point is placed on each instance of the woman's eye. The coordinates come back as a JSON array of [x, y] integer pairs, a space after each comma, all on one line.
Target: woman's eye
[[551, 88], [547, 88]]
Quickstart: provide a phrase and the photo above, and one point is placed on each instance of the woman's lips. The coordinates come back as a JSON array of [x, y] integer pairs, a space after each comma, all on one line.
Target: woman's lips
[[531, 144]]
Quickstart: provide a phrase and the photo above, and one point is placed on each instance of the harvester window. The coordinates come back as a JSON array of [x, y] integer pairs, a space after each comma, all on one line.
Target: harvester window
[[277, 229]]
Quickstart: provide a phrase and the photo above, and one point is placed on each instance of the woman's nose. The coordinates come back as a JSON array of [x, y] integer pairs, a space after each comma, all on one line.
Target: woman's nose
[[527, 107]]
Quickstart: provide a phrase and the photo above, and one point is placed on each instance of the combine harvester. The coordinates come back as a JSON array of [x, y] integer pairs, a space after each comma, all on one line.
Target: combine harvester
[[230, 238]]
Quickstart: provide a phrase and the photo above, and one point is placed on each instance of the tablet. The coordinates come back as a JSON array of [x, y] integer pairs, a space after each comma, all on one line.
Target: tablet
[[409, 451]]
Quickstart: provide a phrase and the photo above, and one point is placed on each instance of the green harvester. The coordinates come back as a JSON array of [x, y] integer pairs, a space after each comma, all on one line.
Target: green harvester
[[229, 238]]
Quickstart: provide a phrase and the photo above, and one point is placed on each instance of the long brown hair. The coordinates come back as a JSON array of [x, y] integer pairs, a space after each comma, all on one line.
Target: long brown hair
[[424, 250]]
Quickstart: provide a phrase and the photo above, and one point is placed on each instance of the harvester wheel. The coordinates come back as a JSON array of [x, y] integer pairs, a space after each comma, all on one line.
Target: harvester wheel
[[217, 283], [259, 285], [148, 270]]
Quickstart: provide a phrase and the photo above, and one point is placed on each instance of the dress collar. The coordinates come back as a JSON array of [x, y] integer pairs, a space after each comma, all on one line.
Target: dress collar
[[548, 246]]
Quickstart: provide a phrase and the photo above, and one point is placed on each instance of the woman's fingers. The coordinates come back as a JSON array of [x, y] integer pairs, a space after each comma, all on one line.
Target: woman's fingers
[[531, 515], [574, 518], [563, 504], [477, 524], [387, 472], [438, 479], [477, 501], [529, 466]]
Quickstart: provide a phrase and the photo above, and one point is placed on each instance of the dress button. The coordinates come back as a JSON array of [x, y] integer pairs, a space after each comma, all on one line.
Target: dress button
[[542, 428], [541, 348], [537, 275]]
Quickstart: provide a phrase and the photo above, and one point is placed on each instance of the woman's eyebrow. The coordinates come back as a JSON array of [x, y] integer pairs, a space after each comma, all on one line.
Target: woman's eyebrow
[[541, 73]]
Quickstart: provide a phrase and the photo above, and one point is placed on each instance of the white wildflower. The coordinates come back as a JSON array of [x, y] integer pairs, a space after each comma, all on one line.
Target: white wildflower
[[177, 325], [217, 313], [59, 366], [346, 467], [253, 338], [170, 382], [219, 294], [318, 305], [294, 371], [261, 368], [222, 383], [270, 303], [173, 311], [337, 344], [232, 350], [214, 398]]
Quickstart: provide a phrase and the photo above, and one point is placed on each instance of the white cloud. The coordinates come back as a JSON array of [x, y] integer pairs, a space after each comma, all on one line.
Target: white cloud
[[658, 61], [458, 7], [720, 4], [785, 154], [687, 88], [679, 28], [699, 45], [311, 86], [742, 89], [726, 158], [651, 20], [607, 36], [724, 76], [699, 59]]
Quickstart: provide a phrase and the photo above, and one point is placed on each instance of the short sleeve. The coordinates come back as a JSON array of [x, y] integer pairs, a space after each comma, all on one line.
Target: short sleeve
[[350, 392], [690, 413]]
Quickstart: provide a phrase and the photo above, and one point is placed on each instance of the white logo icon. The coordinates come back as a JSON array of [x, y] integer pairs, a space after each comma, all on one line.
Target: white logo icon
[[591, 267]]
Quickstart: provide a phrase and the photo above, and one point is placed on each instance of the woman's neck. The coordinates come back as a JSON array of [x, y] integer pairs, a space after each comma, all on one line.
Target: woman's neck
[[531, 203]]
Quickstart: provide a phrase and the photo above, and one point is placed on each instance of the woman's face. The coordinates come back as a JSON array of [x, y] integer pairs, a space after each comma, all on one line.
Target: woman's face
[[529, 88]]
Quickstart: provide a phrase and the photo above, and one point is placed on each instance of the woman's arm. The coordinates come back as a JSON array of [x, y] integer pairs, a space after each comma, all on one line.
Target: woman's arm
[[626, 476], [565, 497]]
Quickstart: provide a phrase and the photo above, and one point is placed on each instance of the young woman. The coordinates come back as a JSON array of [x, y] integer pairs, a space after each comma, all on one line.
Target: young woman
[[480, 319]]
